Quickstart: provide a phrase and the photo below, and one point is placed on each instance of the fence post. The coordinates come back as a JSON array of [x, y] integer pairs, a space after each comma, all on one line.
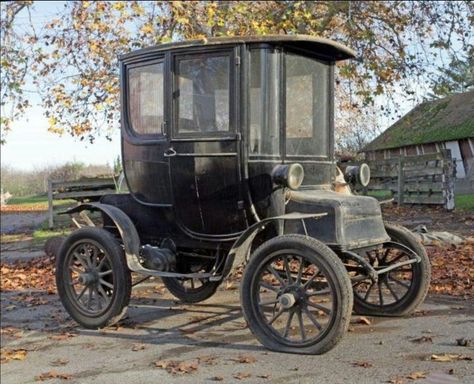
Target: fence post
[[50, 204], [400, 181], [449, 174]]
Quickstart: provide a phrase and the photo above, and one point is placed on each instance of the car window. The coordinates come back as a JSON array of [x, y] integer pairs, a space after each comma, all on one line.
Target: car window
[[145, 98], [203, 94]]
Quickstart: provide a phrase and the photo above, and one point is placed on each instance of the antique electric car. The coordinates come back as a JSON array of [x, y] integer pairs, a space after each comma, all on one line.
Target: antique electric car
[[228, 155]]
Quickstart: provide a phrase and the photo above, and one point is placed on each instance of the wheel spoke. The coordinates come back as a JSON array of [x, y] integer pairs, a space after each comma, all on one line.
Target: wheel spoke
[[75, 269], [269, 286], [276, 274], [379, 286], [399, 282], [268, 302], [327, 311], [276, 316], [288, 323], [108, 285], [89, 300], [300, 270], [101, 263], [105, 273], [368, 290], [319, 293], [391, 290], [79, 258], [82, 293], [287, 270], [301, 323], [99, 303], [192, 283], [312, 318], [308, 282]]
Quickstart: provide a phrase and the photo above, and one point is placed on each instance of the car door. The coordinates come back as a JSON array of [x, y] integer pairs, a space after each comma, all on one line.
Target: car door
[[204, 147]]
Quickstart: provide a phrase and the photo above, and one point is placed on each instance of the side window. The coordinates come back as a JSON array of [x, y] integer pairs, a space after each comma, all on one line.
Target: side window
[[264, 103], [145, 99], [203, 83]]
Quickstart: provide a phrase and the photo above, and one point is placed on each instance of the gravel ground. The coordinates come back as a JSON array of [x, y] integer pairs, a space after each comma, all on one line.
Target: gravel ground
[[213, 335]]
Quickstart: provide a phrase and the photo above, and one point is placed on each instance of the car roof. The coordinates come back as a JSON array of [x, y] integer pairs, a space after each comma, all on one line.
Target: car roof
[[330, 49]]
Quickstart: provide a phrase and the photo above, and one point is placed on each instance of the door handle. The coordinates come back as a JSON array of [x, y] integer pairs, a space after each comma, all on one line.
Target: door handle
[[170, 152]]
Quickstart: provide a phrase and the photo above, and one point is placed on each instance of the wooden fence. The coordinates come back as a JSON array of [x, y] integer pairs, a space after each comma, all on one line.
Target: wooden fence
[[422, 179], [80, 190]]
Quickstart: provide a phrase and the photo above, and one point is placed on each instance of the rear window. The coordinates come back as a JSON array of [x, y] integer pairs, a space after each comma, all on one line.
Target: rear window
[[145, 99]]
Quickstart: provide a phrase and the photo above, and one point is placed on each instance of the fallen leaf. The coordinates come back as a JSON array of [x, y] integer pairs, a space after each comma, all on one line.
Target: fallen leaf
[[177, 367], [363, 364], [265, 376], [422, 339], [417, 375], [447, 357], [241, 375], [138, 347], [62, 336], [364, 320], [207, 360], [217, 378], [53, 375], [12, 354], [245, 359], [59, 362]]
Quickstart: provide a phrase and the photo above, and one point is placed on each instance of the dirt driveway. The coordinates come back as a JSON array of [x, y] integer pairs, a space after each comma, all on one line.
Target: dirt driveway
[[210, 342]]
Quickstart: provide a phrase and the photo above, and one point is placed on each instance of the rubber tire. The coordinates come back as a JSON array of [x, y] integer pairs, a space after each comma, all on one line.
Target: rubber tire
[[418, 290], [333, 267], [121, 273], [197, 295]]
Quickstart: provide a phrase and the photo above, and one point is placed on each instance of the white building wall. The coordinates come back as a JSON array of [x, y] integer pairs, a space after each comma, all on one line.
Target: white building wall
[[456, 154]]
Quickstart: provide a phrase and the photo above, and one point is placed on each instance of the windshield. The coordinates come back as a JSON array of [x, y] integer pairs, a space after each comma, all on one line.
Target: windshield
[[307, 106]]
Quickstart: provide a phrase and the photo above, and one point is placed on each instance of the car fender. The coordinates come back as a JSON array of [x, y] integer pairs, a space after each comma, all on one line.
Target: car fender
[[240, 251]]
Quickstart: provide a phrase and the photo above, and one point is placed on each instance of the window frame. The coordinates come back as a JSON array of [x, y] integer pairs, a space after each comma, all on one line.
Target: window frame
[[231, 133], [330, 113], [131, 132]]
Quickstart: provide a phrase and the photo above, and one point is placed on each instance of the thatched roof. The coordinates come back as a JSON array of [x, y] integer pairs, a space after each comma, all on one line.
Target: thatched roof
[[451, 118]]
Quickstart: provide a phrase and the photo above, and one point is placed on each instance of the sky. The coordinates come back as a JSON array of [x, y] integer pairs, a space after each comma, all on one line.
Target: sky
[[30, 146]]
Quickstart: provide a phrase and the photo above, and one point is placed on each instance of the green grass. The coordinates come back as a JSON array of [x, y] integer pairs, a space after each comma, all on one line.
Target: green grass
[[464, 202], [41, 235], [37, 200]]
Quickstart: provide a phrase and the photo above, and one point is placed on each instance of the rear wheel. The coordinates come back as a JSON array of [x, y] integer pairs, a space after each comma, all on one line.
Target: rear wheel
[[399, 291], [92, 278], [296, 295]]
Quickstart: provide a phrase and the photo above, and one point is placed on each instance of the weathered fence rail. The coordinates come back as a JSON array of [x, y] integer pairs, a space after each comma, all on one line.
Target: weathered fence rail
[[80, 190], [422, 179]]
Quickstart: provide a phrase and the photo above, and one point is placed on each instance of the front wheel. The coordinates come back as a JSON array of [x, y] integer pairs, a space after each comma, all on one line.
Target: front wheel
[[401, 290], [92, 278], [296, 295]]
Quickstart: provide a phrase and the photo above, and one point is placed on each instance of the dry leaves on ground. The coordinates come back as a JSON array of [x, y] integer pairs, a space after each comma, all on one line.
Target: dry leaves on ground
[[422, 339], [24, 207], [32, 274], [452, 271], [177, 367], [53, 375], [12, 354], [363, 364], [138, 347], [59, 362], [417, 375], [245, 359], [241, 375], [448, 357], [363, 320]]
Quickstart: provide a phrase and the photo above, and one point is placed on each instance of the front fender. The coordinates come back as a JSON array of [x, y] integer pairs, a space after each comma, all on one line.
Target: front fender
[[239, 252], [125, 226]]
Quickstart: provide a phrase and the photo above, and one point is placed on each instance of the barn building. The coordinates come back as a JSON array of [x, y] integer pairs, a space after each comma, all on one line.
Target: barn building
[[432, 126]]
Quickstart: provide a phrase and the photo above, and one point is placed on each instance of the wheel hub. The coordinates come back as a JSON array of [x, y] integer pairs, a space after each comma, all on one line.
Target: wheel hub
[[87, 278], [287, 300]]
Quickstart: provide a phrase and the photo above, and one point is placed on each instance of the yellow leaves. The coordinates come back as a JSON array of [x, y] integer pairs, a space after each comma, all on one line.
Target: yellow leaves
[[12, 354], [118, 5], [53, 375], [146, 28]]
